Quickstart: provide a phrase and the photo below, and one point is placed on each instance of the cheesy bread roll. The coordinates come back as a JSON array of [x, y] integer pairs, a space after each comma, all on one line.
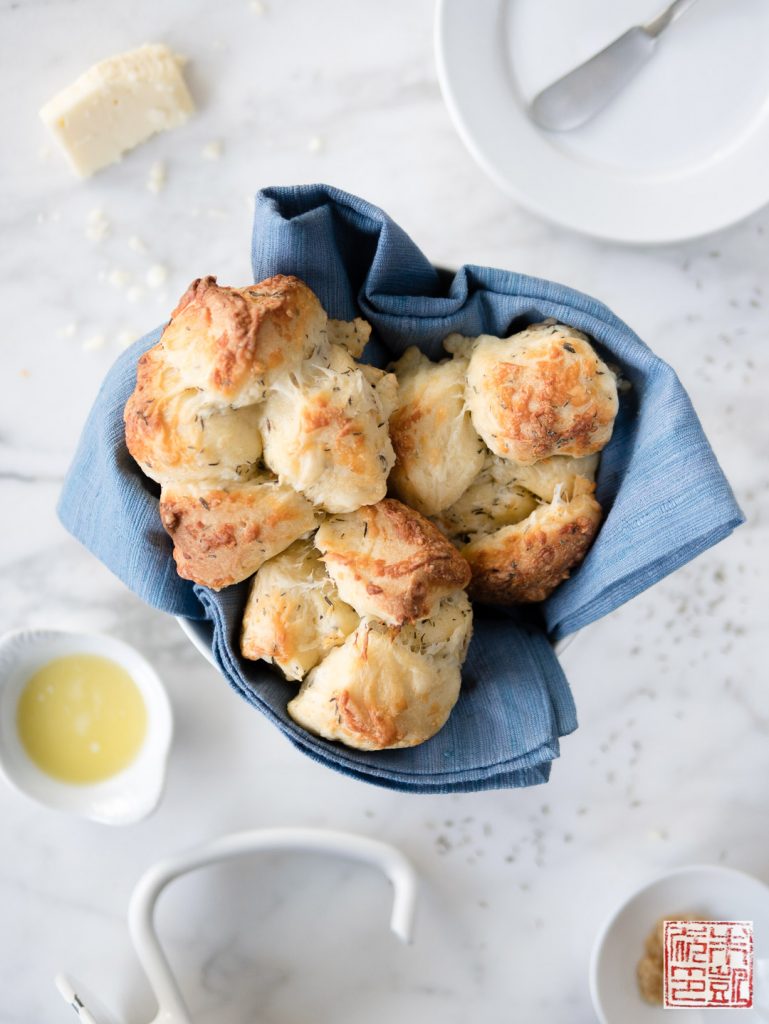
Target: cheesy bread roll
[[438, 452], [389, 562], [294, 615], [539, 393], [223, 533], [526, 562], [325, 431]]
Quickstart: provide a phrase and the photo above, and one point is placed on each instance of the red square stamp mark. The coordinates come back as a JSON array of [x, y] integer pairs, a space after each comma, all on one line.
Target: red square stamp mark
[[708, 963]]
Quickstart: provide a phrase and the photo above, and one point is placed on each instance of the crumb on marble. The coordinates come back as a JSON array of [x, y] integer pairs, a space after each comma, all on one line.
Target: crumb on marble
[[94, 342], [212, 150], [97, 225], [156, 180], [156, 275]]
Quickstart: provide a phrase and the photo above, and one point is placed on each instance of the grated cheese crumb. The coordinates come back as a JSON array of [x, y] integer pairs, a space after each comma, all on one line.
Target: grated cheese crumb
[[96, 341], [212, 150], [156, 275], [157, 177], [97, 225]]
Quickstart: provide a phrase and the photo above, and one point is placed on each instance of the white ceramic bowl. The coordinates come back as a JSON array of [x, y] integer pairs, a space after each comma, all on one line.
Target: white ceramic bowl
[[126, 797], [715, 893]]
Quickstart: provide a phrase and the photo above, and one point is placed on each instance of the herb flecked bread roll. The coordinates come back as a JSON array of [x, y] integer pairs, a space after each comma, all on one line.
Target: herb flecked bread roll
[[539, 393], [253, 415], [529, 414], [388, 688], [372, 615], [388, 561], [432, 418]]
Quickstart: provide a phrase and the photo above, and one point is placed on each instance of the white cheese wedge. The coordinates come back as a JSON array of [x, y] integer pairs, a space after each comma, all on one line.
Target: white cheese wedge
[[117, 104]]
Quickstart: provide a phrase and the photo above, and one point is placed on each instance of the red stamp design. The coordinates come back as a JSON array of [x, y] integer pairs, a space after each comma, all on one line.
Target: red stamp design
[[708, 963]]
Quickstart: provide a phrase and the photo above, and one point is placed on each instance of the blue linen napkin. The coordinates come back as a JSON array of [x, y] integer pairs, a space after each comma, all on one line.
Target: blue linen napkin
[[664, 495]]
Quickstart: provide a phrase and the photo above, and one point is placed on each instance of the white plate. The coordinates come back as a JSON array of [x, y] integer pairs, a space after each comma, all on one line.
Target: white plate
[[715, 893], [683, 151]]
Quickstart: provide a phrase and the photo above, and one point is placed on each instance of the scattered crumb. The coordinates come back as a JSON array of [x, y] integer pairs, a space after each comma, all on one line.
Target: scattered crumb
[[156, 275], [96, 341], [68, 331], [97, 225], [135, 243], [126, 338], [257, 7], [316, 144], [134, 294], [119, 278], [24, 373], [157, 177], [212, 150]]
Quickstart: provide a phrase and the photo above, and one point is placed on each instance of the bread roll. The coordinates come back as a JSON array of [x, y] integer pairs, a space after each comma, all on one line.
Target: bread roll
[[438, 452], [389, 562], [526, 562], [558, 474], [176, 434], [194, 423], [294, 615], [539, 393], [352, 335], [325, 431], [233, 342], [223, 533], [383, 688], [494, 499]]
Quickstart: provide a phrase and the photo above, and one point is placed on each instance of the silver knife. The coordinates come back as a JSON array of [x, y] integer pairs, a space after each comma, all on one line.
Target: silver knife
[[581, 93]]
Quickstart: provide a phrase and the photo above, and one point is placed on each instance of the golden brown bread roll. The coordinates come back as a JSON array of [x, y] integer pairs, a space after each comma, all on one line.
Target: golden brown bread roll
[[438, 452], [389, 562], [177, 434], [206, 391], [222, 534], [386, 688], [294, 615], [542, 404], [526, 562], [371, 684], [233, 342], [504, 493], [539, 393], [325, 431], [494, 499]]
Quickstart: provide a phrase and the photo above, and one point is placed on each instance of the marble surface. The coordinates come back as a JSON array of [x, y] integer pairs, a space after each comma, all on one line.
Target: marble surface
[[669, 765]]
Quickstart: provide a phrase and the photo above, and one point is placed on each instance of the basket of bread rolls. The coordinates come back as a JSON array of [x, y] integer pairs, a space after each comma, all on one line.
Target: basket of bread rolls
[[370, 512]]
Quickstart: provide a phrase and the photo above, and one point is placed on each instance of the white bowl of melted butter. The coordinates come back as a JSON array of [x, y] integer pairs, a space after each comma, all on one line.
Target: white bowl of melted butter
[[85, 724]]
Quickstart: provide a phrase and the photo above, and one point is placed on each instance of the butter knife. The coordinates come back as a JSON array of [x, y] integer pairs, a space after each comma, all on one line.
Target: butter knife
[[581, 93]]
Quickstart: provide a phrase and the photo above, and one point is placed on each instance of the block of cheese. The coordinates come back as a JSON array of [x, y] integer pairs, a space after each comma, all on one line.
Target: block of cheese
[[117, 104]]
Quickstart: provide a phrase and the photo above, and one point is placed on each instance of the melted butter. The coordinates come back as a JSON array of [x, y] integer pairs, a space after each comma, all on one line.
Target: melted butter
[[81, 718]]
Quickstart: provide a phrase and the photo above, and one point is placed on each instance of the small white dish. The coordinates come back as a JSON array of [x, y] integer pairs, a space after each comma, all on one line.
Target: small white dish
[[714, 893], [679, 153], [125, 797]]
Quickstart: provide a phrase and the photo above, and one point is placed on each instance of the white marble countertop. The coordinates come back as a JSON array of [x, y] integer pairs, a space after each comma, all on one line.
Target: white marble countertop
[[669, 765]]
